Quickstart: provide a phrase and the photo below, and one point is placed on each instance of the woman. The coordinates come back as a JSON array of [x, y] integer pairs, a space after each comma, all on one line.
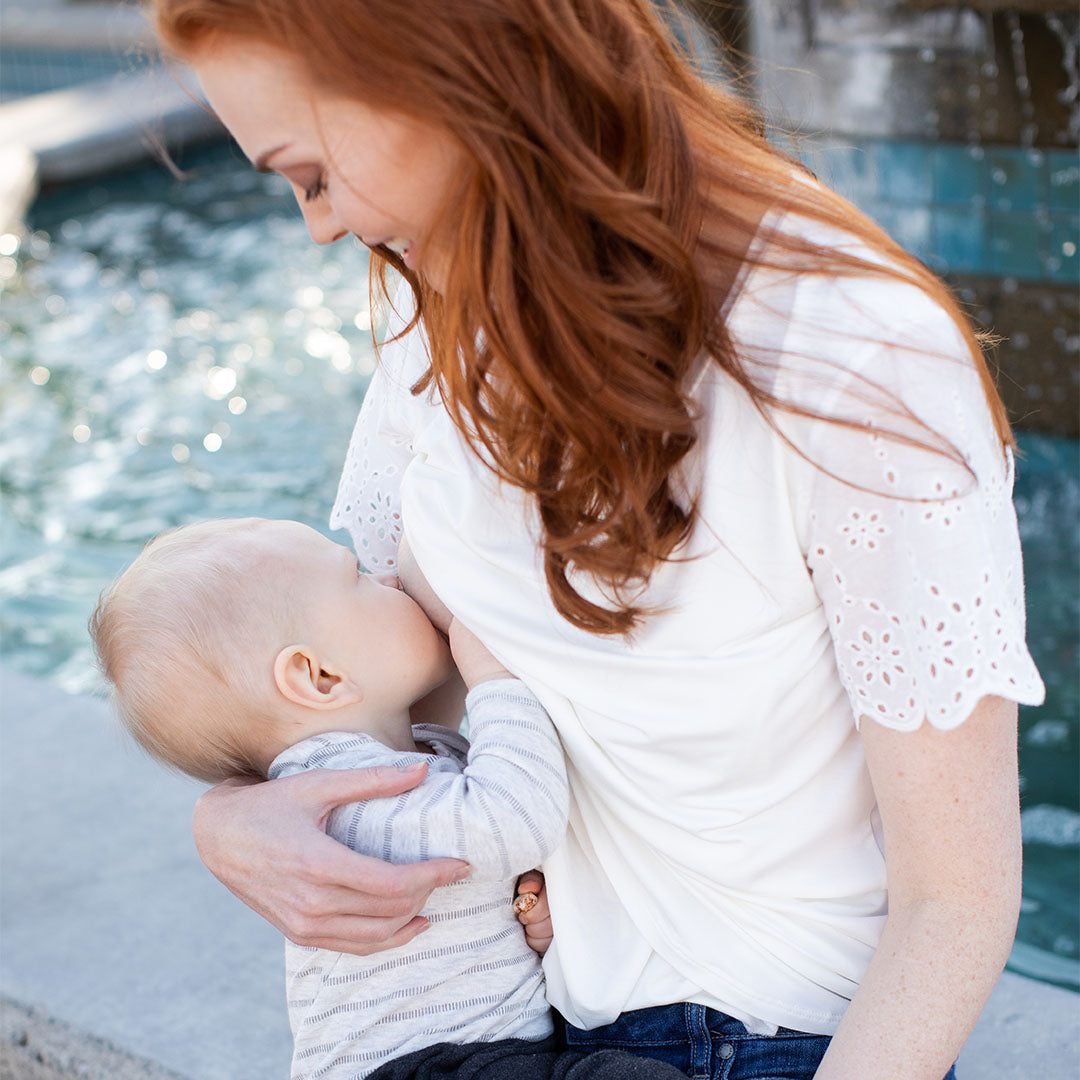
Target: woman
[[713, 466]]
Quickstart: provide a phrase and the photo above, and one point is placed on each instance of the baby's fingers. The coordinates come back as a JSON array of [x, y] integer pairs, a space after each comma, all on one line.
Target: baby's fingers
[[533, 913], [538, 935]]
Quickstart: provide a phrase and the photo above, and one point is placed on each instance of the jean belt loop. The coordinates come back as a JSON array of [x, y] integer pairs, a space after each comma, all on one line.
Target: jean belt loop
[[700, 1040]]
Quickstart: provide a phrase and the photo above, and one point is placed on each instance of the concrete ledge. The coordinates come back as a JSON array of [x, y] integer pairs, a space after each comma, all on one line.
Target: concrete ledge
[[18, 185], [33, 1047], [132, 956], [108, 124], [110, 924], [57, 24]]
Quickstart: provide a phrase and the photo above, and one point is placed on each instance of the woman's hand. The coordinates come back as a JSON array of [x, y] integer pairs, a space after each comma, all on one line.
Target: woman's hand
[[537, 920], [266, 843]]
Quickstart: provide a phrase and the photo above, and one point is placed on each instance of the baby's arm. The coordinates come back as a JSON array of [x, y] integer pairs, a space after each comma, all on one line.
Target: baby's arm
[[505, 813]]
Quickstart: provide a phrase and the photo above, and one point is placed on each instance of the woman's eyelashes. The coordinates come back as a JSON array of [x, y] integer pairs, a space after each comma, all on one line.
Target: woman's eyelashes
[[313, 191]]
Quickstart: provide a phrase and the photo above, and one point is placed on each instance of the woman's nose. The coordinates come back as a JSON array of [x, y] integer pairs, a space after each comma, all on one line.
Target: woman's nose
[[322, 225]]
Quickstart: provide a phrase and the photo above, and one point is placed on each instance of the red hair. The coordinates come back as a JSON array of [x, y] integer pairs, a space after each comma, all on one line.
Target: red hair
[[594, 244]]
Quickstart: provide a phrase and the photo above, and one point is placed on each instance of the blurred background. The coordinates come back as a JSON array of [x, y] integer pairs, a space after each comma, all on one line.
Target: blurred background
[[174, 347]]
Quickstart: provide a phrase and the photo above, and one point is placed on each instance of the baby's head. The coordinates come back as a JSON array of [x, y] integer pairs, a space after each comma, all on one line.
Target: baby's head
[[228, 641]]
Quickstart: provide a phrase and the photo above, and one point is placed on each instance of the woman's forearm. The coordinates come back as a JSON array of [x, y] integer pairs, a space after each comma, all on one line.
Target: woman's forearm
[[951, 821], [933, 971]]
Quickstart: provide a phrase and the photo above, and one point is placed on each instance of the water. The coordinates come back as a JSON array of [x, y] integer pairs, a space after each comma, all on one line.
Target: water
[[208, 360], [172, 351]]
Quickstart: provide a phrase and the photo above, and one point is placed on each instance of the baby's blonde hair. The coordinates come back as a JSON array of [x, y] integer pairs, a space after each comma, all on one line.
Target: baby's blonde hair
[[187, 641]]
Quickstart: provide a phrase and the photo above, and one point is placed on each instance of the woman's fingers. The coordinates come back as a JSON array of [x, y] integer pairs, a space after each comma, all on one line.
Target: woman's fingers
[[321, 790], [535, 917], [339, 879], [347, 934], [266, 843]]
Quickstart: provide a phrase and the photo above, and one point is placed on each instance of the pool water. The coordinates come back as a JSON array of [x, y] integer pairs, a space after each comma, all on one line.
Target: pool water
[[176, 350]]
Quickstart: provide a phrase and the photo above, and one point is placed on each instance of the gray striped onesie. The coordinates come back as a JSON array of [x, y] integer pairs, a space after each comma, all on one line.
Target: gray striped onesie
[[501, 805]]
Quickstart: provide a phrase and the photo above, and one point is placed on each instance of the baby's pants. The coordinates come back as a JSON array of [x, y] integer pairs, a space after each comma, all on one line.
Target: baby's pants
[[516, 1059]]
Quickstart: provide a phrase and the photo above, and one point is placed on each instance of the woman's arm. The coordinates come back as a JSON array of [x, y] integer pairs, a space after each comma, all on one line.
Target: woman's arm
[[950, 811], [265, 842]]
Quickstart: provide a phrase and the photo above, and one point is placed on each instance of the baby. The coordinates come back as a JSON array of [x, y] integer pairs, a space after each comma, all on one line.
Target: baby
[[258, 647]]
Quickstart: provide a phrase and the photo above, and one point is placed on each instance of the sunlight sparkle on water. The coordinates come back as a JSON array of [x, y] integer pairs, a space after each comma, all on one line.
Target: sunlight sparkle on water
[[39, 376], [220, 382]]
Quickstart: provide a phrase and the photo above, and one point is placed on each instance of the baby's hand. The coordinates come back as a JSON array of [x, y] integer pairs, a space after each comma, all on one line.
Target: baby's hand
[[474, 662], [534, 913]]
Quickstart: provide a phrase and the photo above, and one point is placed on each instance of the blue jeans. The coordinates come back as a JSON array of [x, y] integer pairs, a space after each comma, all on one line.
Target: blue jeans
[[708, 1045]]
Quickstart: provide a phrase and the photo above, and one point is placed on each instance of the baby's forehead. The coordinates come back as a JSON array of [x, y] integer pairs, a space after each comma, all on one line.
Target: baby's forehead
[[289, 543]]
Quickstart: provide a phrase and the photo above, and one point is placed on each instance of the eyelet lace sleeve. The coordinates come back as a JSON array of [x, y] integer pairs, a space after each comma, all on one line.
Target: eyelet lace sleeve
[[368, 502], [920, 574]]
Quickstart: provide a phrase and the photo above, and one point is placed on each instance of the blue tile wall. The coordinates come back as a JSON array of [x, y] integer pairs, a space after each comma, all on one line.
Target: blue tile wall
[[905, 172], [1001, 210], [958, 174], [1064, 176], [959, 238], [1018, 178], [1062, 259]]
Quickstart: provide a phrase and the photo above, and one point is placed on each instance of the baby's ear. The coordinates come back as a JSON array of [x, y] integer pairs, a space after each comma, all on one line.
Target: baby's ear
[[302, 679]]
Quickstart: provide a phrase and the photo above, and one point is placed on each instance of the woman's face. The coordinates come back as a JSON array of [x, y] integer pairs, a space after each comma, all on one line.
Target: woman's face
[[354, 169]]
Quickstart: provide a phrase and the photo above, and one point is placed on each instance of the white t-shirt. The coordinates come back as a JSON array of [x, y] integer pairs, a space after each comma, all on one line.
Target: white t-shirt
[[723, 844]]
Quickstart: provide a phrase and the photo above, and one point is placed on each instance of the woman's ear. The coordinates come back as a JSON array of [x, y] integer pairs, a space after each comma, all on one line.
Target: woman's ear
[[302, 679]]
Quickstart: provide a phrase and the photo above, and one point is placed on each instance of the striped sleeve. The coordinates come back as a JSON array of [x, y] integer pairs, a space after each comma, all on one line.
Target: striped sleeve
[[504, 813]]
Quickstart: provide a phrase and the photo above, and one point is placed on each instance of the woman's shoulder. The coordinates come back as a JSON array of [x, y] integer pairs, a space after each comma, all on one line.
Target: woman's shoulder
[[864, 347], [811, 334], [868, 302]]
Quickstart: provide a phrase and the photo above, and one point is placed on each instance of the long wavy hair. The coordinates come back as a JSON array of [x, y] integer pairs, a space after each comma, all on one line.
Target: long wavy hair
[[595, 244]]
